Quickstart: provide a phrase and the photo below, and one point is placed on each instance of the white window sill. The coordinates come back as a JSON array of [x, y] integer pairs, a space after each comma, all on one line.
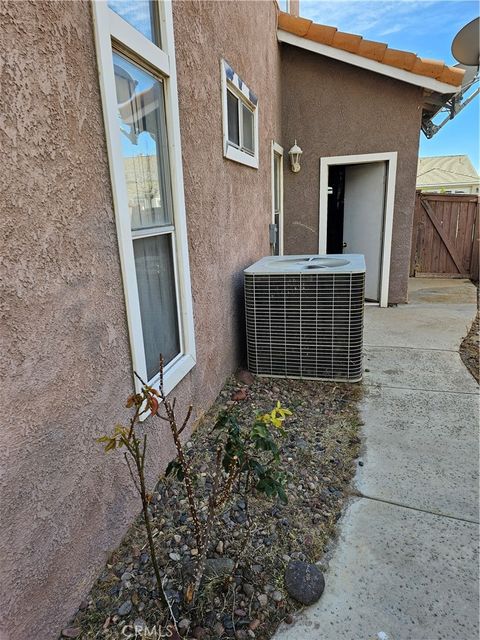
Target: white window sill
[[232, 153]]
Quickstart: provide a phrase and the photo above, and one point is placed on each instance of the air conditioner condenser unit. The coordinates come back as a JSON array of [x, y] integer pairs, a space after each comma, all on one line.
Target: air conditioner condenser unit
[[304, 316]]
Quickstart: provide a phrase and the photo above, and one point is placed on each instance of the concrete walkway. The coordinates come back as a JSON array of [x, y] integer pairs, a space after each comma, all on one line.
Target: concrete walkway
[[406, 566]]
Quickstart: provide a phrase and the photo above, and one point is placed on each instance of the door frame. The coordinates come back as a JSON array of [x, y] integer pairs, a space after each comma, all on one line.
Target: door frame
[[391, 159], [277, 149]]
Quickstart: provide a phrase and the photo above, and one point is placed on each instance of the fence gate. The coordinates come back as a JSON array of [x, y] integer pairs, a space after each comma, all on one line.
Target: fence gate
[[445, 239]]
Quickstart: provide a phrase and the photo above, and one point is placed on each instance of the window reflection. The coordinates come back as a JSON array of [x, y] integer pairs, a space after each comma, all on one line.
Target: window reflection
[[141, 115], [140, 14]]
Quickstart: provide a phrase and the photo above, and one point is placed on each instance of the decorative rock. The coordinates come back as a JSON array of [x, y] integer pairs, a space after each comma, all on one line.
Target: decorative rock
[[248, 589], [239, 395], [254, 624], [194, 552], [177, 538], [263, 599], [277, 596], [219, 547], [304, 582], [218, 629], [125, 608], [139, 625], [199, 633], [71, 632], [218, 567], [289, 619], [245, 377], [184, 624], [174, 556]]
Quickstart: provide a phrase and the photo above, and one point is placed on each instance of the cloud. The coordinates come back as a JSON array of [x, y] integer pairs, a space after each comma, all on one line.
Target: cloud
[[374, 18]]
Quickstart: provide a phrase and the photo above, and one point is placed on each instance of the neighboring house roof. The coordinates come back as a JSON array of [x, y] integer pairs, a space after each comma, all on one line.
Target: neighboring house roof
[[446, 170], [375, 56]]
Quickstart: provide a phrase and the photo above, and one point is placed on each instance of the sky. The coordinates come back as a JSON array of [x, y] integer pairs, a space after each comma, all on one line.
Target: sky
[[425, 27]]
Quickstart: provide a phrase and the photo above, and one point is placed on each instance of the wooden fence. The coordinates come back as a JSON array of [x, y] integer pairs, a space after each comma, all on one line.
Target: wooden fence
[[445, 239]]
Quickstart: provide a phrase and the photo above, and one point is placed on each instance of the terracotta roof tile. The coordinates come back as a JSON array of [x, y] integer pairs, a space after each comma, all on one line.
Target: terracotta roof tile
[[400, 59], [452, 75], [372, 50], [292, 24], [346, 41], [425, 67], [321, 33], [377, 51]]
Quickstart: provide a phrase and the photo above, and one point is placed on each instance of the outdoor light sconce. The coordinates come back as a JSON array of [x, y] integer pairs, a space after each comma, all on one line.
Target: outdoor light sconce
[[295, 155]]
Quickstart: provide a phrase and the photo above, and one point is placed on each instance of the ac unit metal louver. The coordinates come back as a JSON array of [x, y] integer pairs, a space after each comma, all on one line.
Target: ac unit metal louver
[[304, 316]]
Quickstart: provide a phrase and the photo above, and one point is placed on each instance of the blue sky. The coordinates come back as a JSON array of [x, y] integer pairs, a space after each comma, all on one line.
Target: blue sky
[[426, 27]]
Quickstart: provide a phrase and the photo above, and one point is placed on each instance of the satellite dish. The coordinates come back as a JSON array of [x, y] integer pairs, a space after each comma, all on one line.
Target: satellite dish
[[466, 44], [470, 74]]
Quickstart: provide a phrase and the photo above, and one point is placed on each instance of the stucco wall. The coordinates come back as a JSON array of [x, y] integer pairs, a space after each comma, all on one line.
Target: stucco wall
[[334, 109], [66, 365]]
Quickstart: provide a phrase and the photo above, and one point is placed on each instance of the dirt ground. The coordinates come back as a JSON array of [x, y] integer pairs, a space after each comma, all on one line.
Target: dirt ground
[[251, 545], [469, 349]]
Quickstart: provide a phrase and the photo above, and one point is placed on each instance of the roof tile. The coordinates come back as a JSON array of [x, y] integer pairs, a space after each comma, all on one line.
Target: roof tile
[[292, 24], [369, 49], [452, 75], [372, 50], [321, 33], [430, 68], [400, 59], [346, 41]]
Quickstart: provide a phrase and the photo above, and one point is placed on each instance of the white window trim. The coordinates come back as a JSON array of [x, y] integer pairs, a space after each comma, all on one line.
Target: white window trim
[[230, 151], [110, 27], [277, 149]]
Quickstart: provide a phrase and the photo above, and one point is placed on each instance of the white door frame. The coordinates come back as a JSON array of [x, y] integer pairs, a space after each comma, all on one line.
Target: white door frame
[[277, 149], [391, 159]]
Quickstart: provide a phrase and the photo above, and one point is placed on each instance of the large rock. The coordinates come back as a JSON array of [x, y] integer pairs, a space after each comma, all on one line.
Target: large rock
[[245, 377], [214, 567], [304, 581]]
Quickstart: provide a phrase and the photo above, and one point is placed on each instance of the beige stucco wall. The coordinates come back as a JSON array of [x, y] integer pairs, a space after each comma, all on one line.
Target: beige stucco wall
[[334, 109], [66, 365]]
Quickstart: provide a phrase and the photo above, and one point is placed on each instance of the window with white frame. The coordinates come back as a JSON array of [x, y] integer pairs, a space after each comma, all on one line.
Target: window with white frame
[[284, 5], [240, 119], [136, 56]]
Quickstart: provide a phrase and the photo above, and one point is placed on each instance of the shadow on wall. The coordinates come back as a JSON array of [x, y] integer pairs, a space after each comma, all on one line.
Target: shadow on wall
[[239, 328]]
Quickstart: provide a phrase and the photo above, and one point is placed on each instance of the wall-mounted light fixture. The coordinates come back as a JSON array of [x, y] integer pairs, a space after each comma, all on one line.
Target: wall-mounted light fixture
[[295, 154]]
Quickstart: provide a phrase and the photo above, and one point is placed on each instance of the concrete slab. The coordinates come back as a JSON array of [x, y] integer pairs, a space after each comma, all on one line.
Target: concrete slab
[[408, 574], [406, 566], [431, 326], [421, 450], [417, 369], [441, 290]]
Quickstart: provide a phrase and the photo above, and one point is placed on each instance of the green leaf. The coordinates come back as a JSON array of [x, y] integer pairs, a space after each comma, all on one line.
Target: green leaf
[[175, 469]]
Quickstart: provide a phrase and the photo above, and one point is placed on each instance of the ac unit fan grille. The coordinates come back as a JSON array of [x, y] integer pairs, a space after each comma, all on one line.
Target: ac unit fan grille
[[305, 325]]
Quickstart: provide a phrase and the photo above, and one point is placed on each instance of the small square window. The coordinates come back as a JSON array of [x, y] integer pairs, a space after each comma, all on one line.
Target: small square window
[[240, 119]]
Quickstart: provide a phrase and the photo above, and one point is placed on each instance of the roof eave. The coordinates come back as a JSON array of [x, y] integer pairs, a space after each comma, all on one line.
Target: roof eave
[[366, 63]]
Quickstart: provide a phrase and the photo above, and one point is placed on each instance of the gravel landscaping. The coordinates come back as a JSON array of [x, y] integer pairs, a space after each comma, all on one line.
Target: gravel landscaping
[[261, 550]]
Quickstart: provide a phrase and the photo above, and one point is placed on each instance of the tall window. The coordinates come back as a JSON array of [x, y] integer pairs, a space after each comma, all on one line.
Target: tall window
[[138, 81]]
